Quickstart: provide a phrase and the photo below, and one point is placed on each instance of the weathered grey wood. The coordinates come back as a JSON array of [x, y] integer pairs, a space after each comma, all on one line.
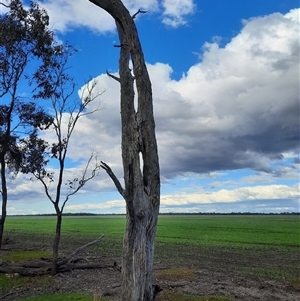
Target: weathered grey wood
[[69, 258], [142, 187], [42, 267]]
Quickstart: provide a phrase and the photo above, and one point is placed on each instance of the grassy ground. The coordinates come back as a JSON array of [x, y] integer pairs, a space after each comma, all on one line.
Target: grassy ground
[[280, 232], [260, 246], [63, 297], [165, 296], [248, 231], [188, 233]]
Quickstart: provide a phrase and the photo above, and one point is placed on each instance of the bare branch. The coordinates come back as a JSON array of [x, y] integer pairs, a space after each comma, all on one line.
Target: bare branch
[[87, 99], [77, 184], [5, 4], [138, 12], [112, 76], [46, 187], [114, 178], [10, 292], [66, 260], [121, 45]]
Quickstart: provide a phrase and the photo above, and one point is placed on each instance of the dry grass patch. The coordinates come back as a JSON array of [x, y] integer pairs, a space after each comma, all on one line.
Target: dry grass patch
[[19, 256], [175, 274], [168, 295], [295, 282]]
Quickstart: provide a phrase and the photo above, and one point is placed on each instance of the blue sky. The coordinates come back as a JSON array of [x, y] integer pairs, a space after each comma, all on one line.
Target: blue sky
[[225, 77]]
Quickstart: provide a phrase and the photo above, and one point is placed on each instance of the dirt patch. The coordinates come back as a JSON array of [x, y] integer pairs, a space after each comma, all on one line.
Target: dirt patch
[[238, 274]]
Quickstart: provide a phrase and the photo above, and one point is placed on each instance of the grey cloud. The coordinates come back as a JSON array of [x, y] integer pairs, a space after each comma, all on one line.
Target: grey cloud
[[233, 110], [249, 122], [296, 160]]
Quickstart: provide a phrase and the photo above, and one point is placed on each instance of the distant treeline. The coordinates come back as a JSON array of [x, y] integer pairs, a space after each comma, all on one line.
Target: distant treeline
[[169, 213], [232, 213]]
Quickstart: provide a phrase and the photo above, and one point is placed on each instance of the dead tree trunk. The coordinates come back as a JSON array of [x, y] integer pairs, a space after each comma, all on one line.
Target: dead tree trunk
[[142, 187]]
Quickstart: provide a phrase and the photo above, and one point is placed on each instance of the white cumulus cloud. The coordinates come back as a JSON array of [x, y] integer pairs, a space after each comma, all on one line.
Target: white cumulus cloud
[[176, 12], [237, 108], [67, 15]]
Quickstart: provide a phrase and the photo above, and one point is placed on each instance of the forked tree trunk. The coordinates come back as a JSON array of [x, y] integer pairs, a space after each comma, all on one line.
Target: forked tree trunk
[[142, 187]]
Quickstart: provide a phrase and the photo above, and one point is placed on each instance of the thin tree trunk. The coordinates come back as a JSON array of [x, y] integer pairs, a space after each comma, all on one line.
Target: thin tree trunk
[[56, 242], [4, 200], [4, 147], [58, 212], [142, 188]]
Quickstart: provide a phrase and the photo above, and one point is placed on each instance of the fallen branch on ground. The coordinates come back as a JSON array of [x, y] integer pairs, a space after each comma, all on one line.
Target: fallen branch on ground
[[42, 267], [68, 259]]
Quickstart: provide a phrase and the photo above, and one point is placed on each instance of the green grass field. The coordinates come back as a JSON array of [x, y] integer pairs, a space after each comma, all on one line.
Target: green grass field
[[280, 232], [251, 231], [232, 243]]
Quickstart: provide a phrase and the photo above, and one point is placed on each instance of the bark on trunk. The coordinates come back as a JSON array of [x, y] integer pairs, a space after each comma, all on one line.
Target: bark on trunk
[[4, 200], [56, 243], [4, 149], [138, 251], [142, 187]]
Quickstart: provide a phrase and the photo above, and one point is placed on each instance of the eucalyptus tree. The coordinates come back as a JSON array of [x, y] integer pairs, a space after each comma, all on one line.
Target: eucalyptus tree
[[142, 179], [58, 88], [24, 38], [30, 53]]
